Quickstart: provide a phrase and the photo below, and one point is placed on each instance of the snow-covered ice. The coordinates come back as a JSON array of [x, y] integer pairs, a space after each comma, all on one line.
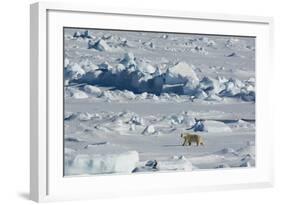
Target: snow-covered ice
[[215, 126], [129, 96], [83, 164]]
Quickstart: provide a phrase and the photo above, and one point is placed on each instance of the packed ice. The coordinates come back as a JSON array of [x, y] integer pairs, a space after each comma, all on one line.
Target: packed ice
[[130, 95]]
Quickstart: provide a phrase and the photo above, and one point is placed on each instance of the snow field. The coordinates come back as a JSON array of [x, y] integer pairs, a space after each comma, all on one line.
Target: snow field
[[130, 95]]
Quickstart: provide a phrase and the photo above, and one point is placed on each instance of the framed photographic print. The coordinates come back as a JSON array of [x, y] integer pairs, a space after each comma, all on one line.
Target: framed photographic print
[[128, 102]]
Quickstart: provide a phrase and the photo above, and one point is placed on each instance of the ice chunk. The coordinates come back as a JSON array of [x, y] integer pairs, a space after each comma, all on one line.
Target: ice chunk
[[99, 45], [128, 94], [211, 43], [149, 130], [132, 127], [69, 116], [66, 62], [200, 94], [88, 65], [248, 161], [216, 126], [248, 96], [237, 83], [251, 80], [77, 34], [120, 67], [181, 73], [84, 116], [74, 71], [128, 60], [222, 79], [105, 66], [199, 126], [137, 120], [157, 72], [146, 67], [231, 89], [246, 164], [230, 42], [178, 118], [189, 121], [107, 94], [92, 90], [124, 162], [152, 164], [75, 93], [143, 95], [211, 85], [213, 97], [149, 44], [125, 43], [78, 94], [250, 88], [85, 34]]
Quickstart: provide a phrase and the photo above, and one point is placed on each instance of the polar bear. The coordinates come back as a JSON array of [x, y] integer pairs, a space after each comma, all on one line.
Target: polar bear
[[189, 138]]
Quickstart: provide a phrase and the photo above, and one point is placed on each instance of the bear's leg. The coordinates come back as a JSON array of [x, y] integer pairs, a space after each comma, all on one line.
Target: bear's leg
[[189, 143], [184, 142]]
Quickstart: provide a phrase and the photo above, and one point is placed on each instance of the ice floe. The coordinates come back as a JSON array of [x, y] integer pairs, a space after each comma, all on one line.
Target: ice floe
[[83, 164]]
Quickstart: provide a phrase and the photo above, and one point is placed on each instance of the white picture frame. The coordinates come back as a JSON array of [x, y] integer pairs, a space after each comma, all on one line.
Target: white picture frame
[[46, 177]]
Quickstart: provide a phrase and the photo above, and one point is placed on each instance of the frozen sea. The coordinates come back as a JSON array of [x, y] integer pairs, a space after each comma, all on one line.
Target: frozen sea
[[130, 95]]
